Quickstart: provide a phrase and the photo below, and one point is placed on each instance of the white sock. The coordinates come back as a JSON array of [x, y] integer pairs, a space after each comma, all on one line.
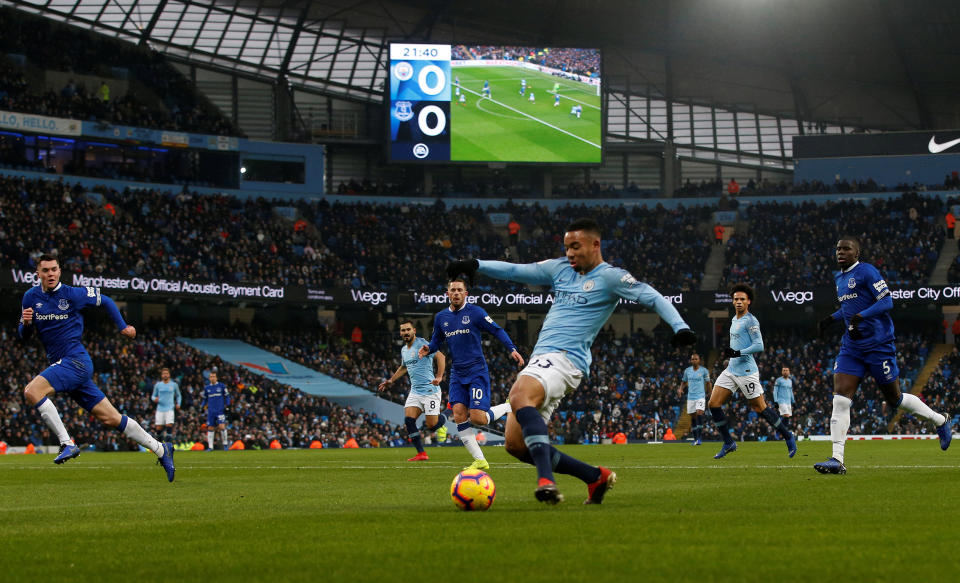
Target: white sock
[[210, 439], [839, 424], [50, 415], [913, 404], [137, 433], [469, 438], [223, 437], [500, 410]]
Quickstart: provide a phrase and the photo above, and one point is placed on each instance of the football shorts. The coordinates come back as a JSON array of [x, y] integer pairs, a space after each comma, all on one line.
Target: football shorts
[[473, 391], [694, 405], [749, 384], [74, 375], [785, 408], [557, 375], [429, 404], [880, 362], [163, 417]]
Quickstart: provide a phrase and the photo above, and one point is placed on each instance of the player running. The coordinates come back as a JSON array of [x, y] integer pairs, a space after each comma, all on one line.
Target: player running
[[696, 381], [587, 290], [783, 393], [867, 346], [461, 327], [424, 394], [216, 399], [53, 311], [742, 374]]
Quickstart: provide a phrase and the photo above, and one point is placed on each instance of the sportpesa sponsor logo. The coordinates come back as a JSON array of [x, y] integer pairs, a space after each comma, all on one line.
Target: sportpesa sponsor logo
[[846, 297], [456, 332], [43, 317]]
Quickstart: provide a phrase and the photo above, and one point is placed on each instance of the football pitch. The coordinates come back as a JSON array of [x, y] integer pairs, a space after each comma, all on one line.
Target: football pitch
[[676, 514], [507, 126]]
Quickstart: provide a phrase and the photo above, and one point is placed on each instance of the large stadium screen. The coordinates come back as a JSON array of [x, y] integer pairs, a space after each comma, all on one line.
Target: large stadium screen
[[458, 103]]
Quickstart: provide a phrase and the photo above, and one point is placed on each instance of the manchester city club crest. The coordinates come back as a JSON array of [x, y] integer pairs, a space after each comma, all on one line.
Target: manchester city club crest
[[403, 111], [63, 304], [852, 283], [588, 285], [465, 319]]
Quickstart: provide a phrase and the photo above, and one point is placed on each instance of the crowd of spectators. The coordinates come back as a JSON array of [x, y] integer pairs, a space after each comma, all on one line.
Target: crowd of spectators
[[358, 245], [567, 60], [786, 244], [69, 49], [942, 391], [262, 410]]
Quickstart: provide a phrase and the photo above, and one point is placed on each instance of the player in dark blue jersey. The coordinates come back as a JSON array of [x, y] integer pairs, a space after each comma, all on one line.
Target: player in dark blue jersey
[[215, 400], [461, 326], [867, 346], [53, 311]]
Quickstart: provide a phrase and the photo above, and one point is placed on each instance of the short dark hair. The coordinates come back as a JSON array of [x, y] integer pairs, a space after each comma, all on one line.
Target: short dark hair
[[407, 321], [742, 287], [585, 224], [48, 257], [855, 240], [461, 279]]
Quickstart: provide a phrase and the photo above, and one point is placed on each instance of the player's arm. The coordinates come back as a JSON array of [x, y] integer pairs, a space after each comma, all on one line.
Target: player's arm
[[226, 397], [156, 393], [436, 340], [529, 273], [628, 288], [203, 401], [883, 302], [401, 370], [487, 324], [25, 328], [441, 362], [177, 397]]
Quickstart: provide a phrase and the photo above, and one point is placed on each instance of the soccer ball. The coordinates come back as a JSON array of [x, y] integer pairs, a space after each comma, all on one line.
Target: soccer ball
[[473, 490]]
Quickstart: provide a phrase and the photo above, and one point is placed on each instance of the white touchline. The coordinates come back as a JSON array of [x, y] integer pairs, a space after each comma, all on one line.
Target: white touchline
[[533, 118]]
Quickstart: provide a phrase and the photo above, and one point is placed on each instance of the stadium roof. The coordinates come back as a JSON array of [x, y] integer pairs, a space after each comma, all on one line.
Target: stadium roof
[[869, 63]]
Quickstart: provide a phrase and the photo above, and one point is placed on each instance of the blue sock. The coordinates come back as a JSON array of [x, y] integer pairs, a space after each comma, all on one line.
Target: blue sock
[[720, 420], [773, 418], [441, 420], [571, 466], [537, 439], [413, 433]]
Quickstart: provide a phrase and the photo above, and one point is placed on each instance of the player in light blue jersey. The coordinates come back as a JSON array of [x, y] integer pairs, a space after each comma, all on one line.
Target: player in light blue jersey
[[53, 311], [783, 393], [696, 381], [215, 400], [424, 394], [166, 394], [586, 292], [742, 374], [867, 346], [461, 326]]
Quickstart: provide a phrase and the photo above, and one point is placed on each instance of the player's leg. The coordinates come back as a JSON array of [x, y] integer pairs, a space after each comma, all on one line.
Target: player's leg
[[37, 393], [722, 390], [844, 387], [108, 415], [222, 426], [410, 414], [459, 397], [885, 368], [759, 405], [211, 425], [498, 411]]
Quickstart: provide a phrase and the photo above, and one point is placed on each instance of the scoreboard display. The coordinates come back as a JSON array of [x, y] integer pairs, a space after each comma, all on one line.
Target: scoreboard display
[[451, 103]]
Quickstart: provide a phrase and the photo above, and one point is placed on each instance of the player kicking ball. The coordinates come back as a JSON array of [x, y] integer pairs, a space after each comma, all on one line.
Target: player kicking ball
[[867, 346], [424, 394], [743, 375]]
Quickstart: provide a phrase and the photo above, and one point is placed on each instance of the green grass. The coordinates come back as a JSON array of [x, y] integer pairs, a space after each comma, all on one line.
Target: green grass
[[367, 515], [507, 127]]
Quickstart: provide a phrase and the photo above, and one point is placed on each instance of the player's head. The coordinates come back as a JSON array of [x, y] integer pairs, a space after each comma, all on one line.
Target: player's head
[[457, 292], [848, 251], [213, 378], [407, 331], [48, 271], [165, 374], [742, 295], [695, 359], [785, 372], [582, 242]]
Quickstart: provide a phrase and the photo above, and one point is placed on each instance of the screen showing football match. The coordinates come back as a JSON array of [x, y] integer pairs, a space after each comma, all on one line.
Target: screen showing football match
[[459, 103]]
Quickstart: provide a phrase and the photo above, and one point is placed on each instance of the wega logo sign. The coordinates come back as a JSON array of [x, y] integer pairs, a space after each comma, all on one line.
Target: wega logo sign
[[374, 298], [795, 297]]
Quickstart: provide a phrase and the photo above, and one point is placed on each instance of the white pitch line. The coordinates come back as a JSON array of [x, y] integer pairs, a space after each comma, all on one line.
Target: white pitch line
[[549, 125]]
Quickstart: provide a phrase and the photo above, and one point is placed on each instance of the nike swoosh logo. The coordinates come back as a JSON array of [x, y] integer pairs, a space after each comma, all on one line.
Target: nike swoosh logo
[[936, 148]]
